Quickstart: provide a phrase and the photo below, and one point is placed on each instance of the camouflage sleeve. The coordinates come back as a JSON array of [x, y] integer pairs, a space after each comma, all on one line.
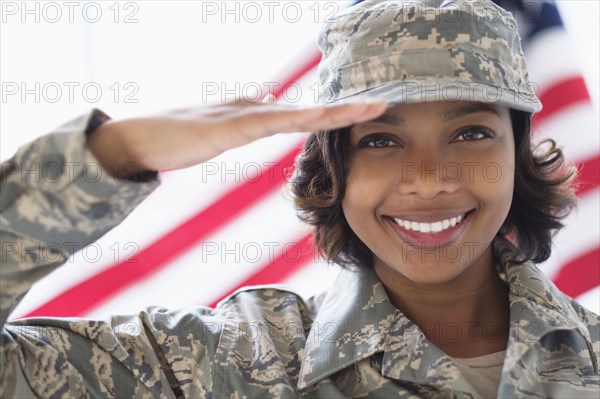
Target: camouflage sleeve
[[54, 199]]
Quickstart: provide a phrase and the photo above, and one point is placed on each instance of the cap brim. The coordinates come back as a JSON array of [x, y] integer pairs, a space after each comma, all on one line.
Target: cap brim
[[407, 92]]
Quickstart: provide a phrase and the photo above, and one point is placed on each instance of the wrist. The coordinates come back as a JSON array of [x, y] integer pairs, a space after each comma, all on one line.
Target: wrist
[[107, 145]]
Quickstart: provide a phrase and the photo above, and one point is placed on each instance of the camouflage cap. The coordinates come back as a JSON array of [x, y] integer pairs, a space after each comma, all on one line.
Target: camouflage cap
[[425, 50]]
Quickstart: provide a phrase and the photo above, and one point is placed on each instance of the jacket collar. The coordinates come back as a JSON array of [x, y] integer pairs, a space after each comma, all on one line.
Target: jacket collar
[[352, 324], [356, 319]]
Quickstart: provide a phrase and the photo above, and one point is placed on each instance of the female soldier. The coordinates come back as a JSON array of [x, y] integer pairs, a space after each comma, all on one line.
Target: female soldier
[[440, 296]]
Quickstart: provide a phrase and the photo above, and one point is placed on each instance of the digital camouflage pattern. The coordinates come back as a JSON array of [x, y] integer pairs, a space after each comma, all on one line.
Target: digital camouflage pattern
[[425, 50], [262, 342]]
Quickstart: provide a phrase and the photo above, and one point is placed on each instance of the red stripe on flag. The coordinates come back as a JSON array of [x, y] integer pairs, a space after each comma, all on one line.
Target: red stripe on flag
[[279, 269], [86, 295], [562, 94], [580, 275]]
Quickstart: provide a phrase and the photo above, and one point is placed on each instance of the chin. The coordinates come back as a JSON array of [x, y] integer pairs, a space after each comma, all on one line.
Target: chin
[[426, 273]]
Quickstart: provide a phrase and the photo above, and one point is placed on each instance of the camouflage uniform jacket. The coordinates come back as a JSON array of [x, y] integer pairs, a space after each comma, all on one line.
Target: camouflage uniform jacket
[[262, 342]]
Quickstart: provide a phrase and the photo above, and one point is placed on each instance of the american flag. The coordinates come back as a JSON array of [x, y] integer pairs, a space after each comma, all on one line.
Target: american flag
[[211, 229]]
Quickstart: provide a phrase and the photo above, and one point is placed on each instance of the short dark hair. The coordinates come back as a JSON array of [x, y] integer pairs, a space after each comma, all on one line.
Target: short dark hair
[[543, 195]]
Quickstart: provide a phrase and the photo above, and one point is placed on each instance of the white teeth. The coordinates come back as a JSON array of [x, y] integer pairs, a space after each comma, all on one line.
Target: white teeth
[[434, 227]]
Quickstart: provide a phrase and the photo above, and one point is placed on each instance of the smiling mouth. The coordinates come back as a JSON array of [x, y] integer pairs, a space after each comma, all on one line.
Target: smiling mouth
[[431, 227]]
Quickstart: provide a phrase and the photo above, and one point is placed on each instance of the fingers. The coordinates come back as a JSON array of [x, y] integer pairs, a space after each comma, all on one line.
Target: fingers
[[271, 121], [234, 126], [344, 115], [244, 101]]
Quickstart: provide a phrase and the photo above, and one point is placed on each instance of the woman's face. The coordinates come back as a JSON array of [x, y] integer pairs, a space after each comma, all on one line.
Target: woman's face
[[429, 185]]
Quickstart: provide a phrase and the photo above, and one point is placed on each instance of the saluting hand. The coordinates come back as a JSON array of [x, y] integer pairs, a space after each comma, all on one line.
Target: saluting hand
[[186, 137]]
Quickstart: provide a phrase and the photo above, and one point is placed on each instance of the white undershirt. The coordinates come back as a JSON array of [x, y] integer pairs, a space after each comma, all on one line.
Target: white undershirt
[[483, 372]]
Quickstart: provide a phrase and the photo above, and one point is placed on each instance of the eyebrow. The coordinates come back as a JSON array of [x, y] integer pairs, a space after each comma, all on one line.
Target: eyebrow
[[387, 119]]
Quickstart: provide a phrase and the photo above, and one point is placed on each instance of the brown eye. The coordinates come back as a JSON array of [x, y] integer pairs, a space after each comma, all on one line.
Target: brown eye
[[474, 134], [377, 142]]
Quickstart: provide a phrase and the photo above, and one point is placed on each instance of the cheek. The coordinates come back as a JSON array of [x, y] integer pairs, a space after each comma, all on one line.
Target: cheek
[[498, 194], [365, 188], [496, 181]]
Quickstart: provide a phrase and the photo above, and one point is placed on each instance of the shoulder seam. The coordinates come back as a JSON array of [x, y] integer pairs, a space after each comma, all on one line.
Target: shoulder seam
[[260, 287]]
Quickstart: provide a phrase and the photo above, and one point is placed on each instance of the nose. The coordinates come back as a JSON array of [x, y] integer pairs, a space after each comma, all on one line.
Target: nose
[[428, 175]]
